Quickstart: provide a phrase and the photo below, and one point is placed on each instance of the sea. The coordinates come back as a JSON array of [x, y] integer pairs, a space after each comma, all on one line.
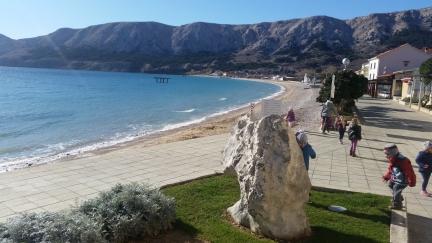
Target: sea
[[47, 114]]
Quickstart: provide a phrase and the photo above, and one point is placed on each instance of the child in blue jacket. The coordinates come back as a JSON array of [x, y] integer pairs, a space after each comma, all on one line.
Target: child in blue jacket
[[308, 151]]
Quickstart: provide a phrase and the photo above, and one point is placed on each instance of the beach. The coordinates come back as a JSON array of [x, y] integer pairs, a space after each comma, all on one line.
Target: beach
[[290, 94], [293, 94], [68, 113]]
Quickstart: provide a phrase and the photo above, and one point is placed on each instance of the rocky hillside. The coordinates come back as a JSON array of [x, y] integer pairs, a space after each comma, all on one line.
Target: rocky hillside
[[289, 46]]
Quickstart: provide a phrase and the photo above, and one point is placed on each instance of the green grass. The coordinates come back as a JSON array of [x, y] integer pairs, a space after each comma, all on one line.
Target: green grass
[[201, 207]]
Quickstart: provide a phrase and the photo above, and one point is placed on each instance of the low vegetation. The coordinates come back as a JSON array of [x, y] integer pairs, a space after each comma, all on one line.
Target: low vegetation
[[201, 207], [124, 213], [51, 227]]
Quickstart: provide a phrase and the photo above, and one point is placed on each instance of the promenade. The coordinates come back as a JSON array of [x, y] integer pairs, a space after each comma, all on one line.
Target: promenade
[[59, 185], [383, 121]]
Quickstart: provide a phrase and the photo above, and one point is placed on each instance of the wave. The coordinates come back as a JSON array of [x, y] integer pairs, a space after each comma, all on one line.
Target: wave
[[63, 150], [8, 164], [186, 111], [222, 99]]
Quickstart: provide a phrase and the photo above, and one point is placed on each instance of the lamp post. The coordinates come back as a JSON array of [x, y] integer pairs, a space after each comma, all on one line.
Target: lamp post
[[345, 62], [416, 76]]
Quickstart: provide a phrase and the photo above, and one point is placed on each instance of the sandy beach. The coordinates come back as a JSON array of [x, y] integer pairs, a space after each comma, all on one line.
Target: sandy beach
[[294, 95]]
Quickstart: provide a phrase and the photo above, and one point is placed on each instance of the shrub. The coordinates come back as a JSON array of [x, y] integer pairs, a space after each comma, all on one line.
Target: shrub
[[414, 99], [424, 100], [124, 213], [130, 212], [51, 227]]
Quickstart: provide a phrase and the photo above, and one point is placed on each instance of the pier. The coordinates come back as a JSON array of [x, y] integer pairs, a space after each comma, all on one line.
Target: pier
[[161, 80]]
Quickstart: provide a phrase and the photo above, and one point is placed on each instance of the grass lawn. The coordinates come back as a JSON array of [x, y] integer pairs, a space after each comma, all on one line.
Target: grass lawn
[[201, 207]]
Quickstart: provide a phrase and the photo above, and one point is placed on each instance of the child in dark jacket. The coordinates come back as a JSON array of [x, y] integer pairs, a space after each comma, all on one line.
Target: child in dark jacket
[[424, 161], [400, 174], [354, 135]]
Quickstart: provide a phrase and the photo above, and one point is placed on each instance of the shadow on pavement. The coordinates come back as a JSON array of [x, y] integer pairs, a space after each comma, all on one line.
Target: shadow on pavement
[[406, 137], [382, 141], [419, 230], [378, 116], [378, 149]]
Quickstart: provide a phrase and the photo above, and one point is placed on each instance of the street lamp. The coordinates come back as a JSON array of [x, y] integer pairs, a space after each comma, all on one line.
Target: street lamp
[[416, 76], [345, 62]]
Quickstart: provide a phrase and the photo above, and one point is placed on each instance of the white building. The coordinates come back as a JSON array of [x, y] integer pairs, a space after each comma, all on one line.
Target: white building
[[400, 58]]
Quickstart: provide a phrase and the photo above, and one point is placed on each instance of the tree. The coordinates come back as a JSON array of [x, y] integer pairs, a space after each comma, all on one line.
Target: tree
[[426, 77], [426, 72], [348, 87]]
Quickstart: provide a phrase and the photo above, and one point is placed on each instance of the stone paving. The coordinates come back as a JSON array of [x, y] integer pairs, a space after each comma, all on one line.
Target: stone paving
[[59, 185], [384, 121]]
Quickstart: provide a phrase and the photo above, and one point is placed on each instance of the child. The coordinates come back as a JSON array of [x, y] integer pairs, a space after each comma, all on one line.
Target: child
[[399, 174], [307, 149], [354, 135], [340, 126], [424, 161], [290, 117]]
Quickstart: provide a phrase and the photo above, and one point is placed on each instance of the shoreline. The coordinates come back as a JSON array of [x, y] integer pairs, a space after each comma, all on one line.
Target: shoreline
[[178, 132]]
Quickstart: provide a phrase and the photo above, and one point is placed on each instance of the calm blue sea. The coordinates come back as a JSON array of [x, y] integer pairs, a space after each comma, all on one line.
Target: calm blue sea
[[46, 113]]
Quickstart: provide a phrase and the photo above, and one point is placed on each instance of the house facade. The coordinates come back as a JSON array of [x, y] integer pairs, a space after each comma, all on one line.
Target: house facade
[[399, 58], [382, 70]]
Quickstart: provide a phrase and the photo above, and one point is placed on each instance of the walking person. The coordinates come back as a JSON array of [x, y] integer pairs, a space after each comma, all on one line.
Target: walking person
[[354, 135], [341, 127], [400, 174], [328, 110], [308, 151], [424, 161], [290, 117]]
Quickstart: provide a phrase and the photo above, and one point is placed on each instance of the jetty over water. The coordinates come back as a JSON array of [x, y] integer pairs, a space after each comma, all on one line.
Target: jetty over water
[[161, 79]]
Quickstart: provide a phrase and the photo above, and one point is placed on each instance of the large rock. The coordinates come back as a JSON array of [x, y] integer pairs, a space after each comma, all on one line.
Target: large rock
[[274, 183]]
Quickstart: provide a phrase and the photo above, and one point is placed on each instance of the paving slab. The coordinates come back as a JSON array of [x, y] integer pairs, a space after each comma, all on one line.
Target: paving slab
[[59, 185]]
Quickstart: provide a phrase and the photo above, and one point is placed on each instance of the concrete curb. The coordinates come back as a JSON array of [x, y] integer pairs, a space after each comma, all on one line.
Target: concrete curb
[[190, 180], [398, 227]]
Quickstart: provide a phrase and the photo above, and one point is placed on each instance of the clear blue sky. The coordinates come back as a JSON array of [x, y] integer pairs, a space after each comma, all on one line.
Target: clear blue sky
[[29, 18]]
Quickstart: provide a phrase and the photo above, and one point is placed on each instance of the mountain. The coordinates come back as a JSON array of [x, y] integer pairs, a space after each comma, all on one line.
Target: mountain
[[318, 43]]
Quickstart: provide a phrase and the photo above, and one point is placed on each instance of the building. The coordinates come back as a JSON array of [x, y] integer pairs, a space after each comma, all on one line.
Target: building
[[364, 70], [399, 58], [383, 67]]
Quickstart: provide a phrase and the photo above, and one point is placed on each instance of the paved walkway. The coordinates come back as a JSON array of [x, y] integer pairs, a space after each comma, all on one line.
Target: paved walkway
[[385, 122], [58, 185]]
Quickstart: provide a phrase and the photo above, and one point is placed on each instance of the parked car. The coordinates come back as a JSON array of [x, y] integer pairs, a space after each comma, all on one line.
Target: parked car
[[384, 94]]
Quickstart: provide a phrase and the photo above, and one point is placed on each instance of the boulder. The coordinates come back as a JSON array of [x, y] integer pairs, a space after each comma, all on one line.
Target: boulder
[[274, 183]]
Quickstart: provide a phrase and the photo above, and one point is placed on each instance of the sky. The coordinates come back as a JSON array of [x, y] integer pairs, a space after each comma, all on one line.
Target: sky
[[30, 18]]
